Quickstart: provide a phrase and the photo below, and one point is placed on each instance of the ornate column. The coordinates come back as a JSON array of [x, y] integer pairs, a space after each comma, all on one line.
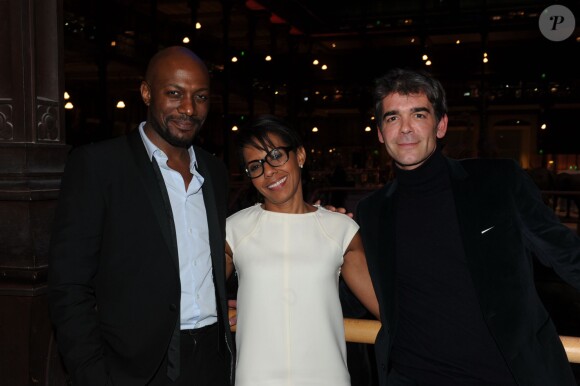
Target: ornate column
[[32, 156]]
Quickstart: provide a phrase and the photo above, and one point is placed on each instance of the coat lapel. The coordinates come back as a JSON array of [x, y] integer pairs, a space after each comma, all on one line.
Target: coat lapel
[[209, 198], [386, 251], [156, 191], [466, 194]]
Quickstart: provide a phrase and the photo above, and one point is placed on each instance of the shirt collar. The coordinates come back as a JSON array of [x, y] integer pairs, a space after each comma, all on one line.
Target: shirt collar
[[153, 150]]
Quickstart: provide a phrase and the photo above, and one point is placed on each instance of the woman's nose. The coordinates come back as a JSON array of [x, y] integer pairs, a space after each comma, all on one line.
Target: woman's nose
[[268, 169]]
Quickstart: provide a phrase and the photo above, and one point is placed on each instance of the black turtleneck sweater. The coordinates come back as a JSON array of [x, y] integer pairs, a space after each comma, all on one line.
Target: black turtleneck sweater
[[440, 336]]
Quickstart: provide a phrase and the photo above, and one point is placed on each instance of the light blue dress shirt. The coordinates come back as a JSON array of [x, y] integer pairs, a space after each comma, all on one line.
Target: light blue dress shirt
[[198, 303]]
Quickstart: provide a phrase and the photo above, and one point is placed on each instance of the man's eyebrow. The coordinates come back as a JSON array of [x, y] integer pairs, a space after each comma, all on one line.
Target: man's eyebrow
[[413, 110], [389, 113], [182, 87], [418, 109]]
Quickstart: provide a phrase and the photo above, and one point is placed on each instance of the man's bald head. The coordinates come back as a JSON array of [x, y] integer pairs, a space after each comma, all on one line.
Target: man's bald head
[[169, 57]]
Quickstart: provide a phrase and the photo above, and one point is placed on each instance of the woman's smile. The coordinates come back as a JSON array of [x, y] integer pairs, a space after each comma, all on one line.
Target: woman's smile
[[278, 183]]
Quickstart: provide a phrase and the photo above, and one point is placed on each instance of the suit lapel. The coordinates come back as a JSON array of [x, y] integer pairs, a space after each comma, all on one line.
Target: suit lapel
[[466, 194], [214, 210], [156, 191], [387, 248], [211, 208]]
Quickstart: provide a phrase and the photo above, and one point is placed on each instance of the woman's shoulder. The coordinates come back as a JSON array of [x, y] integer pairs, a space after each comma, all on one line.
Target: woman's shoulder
[[336, 219], [245, 214]]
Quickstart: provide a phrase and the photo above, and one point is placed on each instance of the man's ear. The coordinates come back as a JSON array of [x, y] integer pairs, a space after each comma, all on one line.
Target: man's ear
[[442, 127], [145, 93], [380, 134]]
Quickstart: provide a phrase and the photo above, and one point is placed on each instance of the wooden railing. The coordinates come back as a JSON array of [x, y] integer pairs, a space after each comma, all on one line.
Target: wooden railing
[[365, 331]]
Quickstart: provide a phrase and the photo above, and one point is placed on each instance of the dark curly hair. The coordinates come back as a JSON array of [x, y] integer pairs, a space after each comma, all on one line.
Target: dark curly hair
[[405, 82]]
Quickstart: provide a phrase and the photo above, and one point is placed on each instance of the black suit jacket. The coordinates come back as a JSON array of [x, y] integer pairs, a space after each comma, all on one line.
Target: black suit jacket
[[503, 221], [114, 286]]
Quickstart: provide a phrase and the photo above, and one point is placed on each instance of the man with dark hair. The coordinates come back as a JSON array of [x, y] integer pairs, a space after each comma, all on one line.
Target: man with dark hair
[[137, 272], [449, 246]]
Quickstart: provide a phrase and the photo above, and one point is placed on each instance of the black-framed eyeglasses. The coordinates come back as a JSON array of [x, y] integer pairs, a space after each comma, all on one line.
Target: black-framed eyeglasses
[[275, 157]]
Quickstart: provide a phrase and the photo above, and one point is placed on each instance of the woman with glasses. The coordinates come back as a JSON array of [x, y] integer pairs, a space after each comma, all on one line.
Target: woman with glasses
[[289, 255]]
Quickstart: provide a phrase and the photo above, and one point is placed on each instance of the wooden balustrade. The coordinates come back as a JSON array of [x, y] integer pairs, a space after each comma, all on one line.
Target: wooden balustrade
[[365, 331]]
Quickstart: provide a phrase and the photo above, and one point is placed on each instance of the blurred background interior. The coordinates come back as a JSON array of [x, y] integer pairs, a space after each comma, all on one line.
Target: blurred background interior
[[511, 91]]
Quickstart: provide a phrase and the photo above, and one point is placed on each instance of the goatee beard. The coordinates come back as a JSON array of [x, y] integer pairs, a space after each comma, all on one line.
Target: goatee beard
[[170, 138]]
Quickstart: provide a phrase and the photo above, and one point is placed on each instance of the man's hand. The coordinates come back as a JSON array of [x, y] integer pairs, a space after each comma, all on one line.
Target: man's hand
[[334, 209]]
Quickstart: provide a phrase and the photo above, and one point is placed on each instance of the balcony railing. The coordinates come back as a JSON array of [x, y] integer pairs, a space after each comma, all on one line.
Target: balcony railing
[[365, 331]]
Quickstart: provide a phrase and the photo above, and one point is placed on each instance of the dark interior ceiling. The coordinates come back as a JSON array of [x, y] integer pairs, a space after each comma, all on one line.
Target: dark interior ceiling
[[357, 40]]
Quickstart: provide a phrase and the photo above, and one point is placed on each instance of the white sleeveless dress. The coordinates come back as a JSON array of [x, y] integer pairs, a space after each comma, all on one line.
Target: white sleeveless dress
[[290, 328]]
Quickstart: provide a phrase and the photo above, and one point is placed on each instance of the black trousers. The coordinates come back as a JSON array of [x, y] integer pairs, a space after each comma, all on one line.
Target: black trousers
[[201, 362]]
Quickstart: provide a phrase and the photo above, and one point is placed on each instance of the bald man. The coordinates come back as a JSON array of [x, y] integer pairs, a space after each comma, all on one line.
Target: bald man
[[137, 273]]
